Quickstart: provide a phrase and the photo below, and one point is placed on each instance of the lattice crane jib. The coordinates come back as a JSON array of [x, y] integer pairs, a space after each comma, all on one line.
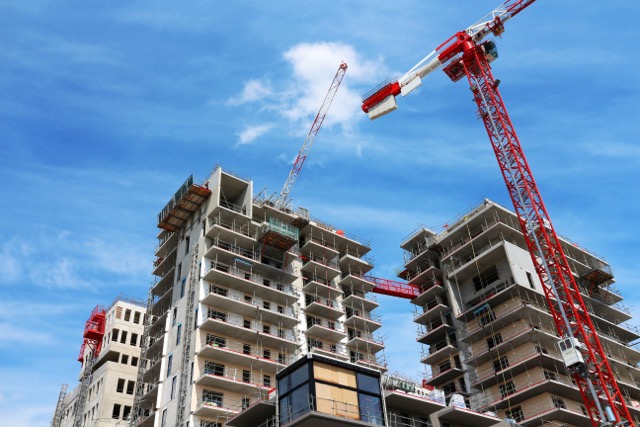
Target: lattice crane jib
[[466, 54], [283, 198]]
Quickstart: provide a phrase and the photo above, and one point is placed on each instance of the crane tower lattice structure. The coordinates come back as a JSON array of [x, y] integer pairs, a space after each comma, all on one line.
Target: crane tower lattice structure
[[283, 198], [466, 54]]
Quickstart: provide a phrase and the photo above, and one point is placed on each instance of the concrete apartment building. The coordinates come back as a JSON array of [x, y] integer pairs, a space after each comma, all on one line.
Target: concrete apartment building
[[244, 288], [111, 391], [486, 329]]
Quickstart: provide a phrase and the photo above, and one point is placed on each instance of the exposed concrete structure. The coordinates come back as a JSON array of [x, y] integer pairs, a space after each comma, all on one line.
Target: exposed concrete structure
[[111, 391], [246, 288], [486, 329]]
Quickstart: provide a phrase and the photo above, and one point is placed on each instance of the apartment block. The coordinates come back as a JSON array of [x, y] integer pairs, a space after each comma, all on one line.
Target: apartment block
[[486, 331], [110, 393], [244, 287]]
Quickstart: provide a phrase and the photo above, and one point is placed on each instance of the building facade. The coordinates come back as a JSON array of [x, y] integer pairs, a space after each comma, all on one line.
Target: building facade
[[243, 288], [110, 394], [487, 332]]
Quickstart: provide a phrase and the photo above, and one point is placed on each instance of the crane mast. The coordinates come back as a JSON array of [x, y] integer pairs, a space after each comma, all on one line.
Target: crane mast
[[283, 198], [465, 54]]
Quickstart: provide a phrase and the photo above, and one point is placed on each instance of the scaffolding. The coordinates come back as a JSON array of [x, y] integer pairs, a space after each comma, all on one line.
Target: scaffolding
[[182, 205], [57, 416]]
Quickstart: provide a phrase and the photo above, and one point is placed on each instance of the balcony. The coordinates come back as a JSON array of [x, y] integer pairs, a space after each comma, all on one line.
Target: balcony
[[212, 408], [318, 246], [423, 273], [364, 341], [432, 310], [233, 230], [314, 285], [361, 301], [236, 352], [162, 265], [323, 307], [436, 330], [439, 351], [249, 282], [166, 244], [231, 301], [325, 329], [232, 380], [351, 261], [233, 325], [355, 281], [444, 374], [320, 267], [362, 320], [429, 290], [329, 348]]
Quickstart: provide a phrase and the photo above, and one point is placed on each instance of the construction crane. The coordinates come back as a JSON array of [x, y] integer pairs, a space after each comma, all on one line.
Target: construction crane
[[283, 198], [89, 352], [467, 53]]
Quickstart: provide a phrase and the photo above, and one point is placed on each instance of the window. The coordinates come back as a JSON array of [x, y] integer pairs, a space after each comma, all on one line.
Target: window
[[175, 316], [126, 412], [134, 361], [182, 286], [123, 337], [179, 270], [247, 323], [130, 387], [187, 243], [136, 317], [530, 280], [246, 376], [485, 278], [280, 309], [216, 341], [212, 368], [515, 414], [134, 339], [281, 358], [169, 364], [195, 320], [266, 329], [558, 402], [550, 376], [217, 315], [280, 333], [494, 340], [124, 359], [266, 305], [507, 388], [247, 299], [500, 364], [266, 380], [246, 349], [120, 386], [218, 290], [114, 334], [178, 334], [266, 353], [127, 315], [449, 388], [164, 419], [212, 397], [245, 402], [191, 373], [115, 414], [541, 350], [444, 366], [174, 382]]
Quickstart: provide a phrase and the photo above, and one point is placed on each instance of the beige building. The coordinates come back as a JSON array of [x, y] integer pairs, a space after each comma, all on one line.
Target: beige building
[[110, 394], [487, 333], [243, 288]]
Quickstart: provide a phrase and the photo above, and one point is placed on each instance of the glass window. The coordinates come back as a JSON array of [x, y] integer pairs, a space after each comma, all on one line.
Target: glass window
[[299, 402], [368, 383], [370, 409], [283, 385], [299, 376]]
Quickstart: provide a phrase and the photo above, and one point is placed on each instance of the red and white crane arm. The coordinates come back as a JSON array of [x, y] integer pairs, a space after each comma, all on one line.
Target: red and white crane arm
[[311, 136], [381, 100]]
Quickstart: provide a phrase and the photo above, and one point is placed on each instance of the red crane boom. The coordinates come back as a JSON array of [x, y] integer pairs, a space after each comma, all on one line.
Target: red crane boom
[[465, 54]]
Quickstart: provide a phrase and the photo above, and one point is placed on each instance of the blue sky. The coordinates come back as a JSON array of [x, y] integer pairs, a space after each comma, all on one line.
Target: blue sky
[[107, 107]]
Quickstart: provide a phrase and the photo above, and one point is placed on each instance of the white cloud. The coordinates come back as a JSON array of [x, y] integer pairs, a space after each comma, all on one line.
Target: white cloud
[[301, 94], [251, 133], [254, 90]]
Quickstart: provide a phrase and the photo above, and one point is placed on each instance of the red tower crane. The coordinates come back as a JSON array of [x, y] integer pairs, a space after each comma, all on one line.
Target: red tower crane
[[468, 54], [93, 333], [283, 198]]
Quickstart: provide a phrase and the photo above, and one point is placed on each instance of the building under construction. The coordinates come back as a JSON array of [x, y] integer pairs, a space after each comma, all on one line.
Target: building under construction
[[104, 396], [244, 287], [487, 330]]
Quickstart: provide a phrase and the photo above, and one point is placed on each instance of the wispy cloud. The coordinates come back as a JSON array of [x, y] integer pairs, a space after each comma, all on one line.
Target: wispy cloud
[[253, 90], [251, 133]]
